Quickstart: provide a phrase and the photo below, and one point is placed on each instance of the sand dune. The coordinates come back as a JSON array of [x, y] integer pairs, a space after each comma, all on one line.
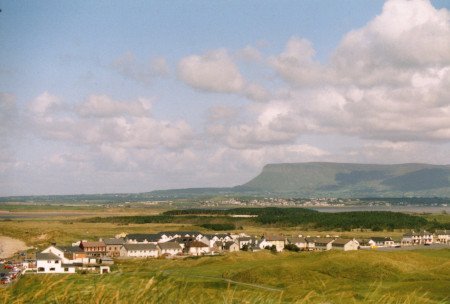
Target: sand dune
[[9, 246]]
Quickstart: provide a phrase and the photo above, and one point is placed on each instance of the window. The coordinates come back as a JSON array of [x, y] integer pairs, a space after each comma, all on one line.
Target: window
[[41, 269], [52, 269], [66, 269], [56, 262]]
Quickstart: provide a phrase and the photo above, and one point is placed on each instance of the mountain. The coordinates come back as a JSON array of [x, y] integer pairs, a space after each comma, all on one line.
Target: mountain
[[319, 179]]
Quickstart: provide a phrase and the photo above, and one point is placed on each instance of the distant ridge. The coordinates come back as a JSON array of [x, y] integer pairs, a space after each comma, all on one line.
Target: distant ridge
[[315, 179]]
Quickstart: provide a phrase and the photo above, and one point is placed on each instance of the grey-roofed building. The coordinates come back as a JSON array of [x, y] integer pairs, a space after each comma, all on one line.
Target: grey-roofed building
[[139, 250], [170, 248], [345, 244], [113, 246]]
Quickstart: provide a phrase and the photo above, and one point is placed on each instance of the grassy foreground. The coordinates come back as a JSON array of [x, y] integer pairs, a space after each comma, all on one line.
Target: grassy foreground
[[420, 276]]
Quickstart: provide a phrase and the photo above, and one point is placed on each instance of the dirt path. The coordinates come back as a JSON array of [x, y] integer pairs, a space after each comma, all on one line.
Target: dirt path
[[9, 246]]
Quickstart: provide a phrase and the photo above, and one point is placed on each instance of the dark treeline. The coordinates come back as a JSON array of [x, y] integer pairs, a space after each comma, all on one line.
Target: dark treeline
[[137, 219], [375, 220], [283, 217]]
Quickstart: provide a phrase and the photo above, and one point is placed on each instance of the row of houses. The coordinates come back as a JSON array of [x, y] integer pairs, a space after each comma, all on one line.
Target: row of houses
[[99, 255], [425, 237]]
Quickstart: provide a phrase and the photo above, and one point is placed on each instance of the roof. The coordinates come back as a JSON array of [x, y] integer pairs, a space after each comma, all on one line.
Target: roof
[[244, 238], [218, 235], [47, 256], [114, 241], [169, 245], [181, 233], [296, 240], [140, 237], [380, 239], [129, 247], [197, 244], [321, 241], [71, 249], [341, 242], [270, 238], [443, 232], [93, 244]]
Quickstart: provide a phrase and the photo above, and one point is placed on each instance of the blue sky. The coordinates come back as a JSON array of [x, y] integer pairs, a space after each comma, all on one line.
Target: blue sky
[[108, 96]]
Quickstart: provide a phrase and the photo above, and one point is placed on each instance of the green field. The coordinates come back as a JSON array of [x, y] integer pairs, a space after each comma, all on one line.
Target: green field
[[420, 276], [328, 277]]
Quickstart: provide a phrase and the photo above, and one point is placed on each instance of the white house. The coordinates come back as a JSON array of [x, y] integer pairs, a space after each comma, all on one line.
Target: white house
[[443, 236], [170, 248], [381, 241], [345, 244], [300, 242], [197, 248], [52, 263], [230, 246], [139, 250], [322, 243], [273, 240]]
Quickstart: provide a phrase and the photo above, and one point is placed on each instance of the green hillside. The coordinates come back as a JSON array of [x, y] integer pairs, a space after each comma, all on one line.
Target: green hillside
[[351, 180]]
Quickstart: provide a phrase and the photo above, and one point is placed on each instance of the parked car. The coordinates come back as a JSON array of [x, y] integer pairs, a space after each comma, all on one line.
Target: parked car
[[5, 280]]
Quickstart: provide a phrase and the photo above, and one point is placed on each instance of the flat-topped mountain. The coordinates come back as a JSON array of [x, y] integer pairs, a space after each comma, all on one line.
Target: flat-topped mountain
[[351, 180]]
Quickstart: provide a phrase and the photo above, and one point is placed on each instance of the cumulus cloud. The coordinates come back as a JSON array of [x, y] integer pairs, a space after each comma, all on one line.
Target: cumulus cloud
[[387, 81], [214, 71], [102, 123], [128, 66]]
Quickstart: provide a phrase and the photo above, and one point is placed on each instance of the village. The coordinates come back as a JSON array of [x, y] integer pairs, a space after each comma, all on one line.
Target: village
[[98, 256]]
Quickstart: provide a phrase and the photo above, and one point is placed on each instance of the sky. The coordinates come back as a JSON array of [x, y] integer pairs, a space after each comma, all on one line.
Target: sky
[[115, 97]]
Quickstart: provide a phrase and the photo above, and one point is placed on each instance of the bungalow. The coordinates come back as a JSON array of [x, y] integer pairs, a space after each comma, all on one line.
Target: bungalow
[[273, 240], [230, 246], [213, 238], [142, 238], [322, 243], [93, 249], [139, 250], [170, 235], [170, 248], [52, 263], [345, 244], [300, 242], [197, 248], [113, 246], [381, 241], [443, 236]]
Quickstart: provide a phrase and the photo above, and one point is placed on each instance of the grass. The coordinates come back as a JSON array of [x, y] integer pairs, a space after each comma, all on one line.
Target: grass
[[328, 277], [419, 276]]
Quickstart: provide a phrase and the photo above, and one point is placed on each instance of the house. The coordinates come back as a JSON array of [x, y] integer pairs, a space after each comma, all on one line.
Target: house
[[142, 238], [322, 243], [345, 244], [139, 250], [93, 249], [417, 238], [273, 240], [170, 248], [213, 238], [197, 248], [300, 242], [113, 246], [443, 236], [50, 262], [73, 253], [244, 240], [381, 241], [230, 246]]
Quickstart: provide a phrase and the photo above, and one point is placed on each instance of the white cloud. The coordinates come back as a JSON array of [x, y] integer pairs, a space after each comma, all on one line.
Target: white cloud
[[214, 71], [101, 123]]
